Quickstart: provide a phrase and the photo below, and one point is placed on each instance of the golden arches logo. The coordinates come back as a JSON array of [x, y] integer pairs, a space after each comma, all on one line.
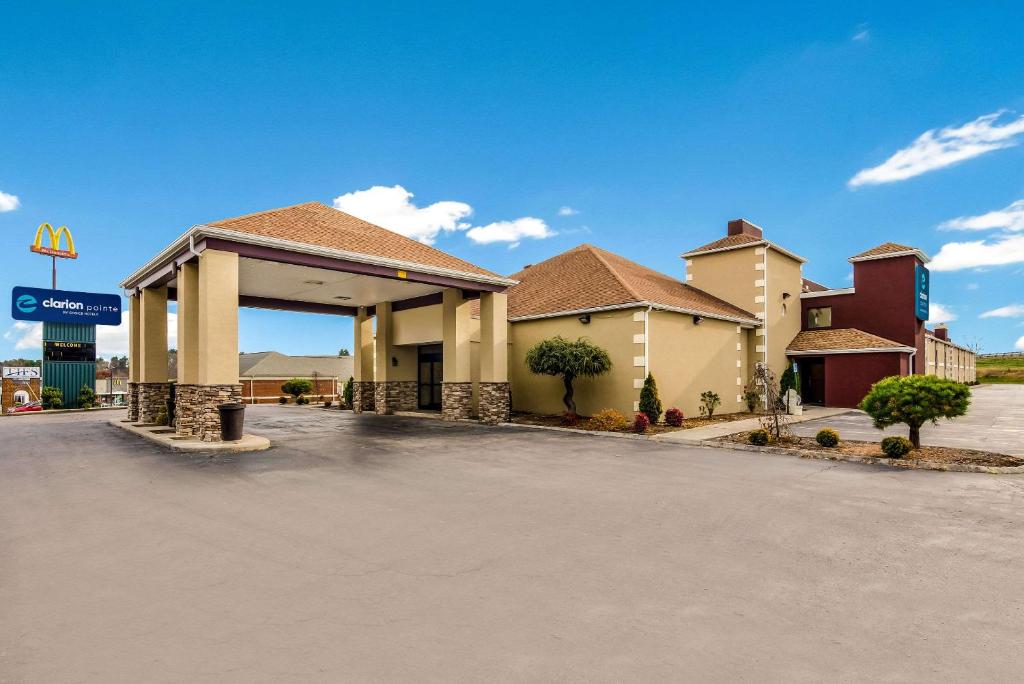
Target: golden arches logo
[[54, 249]]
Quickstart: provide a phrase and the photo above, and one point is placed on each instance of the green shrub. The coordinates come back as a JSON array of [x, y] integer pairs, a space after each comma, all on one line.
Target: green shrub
[[609, 420], [346, 393], [301, 400], [52, 398], [674, 417], [708, 402], [327, 404], [570, 419], [758, 437], [161, 417], [641, 423], [750, 397], [282, 400], [650, 403], [297, 387], [86, 397], [827, 437], [896, 447], [915, 400]]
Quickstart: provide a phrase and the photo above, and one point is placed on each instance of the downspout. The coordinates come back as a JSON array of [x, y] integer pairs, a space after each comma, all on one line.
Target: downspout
[[911, 360], [647, 343], [764, 274]]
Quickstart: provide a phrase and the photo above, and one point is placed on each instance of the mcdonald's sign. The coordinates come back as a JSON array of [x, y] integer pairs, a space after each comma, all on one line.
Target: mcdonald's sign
[[54, 249]]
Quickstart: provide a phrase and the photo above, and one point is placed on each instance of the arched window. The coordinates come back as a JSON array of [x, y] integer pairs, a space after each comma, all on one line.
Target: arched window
[[21, 397]]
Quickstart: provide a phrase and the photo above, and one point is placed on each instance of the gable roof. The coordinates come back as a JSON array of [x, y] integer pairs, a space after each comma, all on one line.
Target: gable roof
[[808, 285], [589, 278], [888, 250], [839, 340], [277, 365], [739, 241], [315, 223]]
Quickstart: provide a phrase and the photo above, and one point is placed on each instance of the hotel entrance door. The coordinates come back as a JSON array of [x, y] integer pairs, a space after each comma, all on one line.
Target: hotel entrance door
[[429, 392]]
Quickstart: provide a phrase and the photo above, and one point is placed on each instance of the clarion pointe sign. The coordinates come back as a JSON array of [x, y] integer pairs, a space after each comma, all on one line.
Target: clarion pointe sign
[[64, 306]]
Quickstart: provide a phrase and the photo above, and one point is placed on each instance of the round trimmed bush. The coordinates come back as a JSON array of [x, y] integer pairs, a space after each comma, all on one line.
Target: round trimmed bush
[[641, 423], [896, 447], [674, 417], [758, 437], [827, 437], [609, 420], [282, 400], [570, 419]]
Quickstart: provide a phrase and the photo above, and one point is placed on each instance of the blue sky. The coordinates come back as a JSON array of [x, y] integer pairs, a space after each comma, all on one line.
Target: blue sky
[[130, 122]]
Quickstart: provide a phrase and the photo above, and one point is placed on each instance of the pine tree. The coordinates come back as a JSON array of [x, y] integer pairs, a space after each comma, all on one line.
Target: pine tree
[[650, 403]]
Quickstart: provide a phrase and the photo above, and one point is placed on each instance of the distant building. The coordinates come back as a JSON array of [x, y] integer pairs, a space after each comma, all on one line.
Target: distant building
[[263, 373], [112, 391], [20, 386]]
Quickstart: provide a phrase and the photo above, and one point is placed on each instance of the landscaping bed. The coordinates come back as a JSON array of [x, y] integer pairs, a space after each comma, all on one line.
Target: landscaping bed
[[660, 428], [925, 457]]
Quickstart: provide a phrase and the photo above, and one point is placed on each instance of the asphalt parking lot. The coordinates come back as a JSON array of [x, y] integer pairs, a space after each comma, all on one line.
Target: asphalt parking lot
[[994, 422], [365, 548]]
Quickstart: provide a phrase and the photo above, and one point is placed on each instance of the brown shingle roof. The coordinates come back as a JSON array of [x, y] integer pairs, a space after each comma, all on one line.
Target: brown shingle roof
[[839, 339], [587, 277], [811, 286], [315, 223], [728, 241], [885, 248]]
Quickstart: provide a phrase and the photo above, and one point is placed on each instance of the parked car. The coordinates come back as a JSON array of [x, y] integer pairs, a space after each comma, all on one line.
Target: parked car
[[26, 408]]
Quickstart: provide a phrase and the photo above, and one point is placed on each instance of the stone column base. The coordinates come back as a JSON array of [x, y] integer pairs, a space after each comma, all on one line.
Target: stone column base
[[153, 398], [133, 402], [196, 409], [362, 395], [456, 400], [395, 395], [494, 402]]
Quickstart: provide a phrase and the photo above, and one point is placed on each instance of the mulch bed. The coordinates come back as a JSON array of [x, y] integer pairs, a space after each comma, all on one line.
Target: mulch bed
[[930, 454], [584, 423]]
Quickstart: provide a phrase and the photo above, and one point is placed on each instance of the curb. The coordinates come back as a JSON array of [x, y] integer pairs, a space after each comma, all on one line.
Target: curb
[[592, 433], [911, 464], [57, 412], [191, 445]]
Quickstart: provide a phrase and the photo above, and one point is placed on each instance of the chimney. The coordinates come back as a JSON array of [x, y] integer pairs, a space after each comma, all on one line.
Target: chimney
[[942, 332], [744, 227]]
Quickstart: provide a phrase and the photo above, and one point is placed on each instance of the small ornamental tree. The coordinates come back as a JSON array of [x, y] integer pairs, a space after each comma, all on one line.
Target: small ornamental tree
[[915, 400], [297, 387], [560, 357], [650, 404], [708, 402], [347, 392]]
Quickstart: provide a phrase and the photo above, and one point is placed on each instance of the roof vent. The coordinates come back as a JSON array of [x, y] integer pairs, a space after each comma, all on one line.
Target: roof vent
[[744, 227]]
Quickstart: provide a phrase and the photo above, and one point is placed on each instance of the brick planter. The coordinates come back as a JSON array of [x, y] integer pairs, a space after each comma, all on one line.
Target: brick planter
[[196, 409], [362, 396], [152, 400], [456, 400], [494, 402]]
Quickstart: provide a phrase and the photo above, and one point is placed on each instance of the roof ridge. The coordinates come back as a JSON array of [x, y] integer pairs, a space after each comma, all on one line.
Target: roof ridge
[[596, 251]]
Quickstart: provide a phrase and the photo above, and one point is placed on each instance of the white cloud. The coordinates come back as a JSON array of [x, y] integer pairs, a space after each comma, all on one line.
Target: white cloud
[[862, 34], [937, 313], [972, 286], [1011, 311], [25, 335], [8, 202], [939, 148], [1011, 218], [567, 211], [1020, 344], [954, 256], [510, 231], [392, 208]]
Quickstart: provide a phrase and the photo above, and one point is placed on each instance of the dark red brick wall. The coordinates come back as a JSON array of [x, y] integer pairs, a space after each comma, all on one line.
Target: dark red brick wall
[[268, 391], [848, 377]]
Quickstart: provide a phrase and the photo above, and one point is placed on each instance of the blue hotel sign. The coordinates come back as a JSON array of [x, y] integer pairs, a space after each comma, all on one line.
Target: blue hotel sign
[[63, 306], [921, 277]]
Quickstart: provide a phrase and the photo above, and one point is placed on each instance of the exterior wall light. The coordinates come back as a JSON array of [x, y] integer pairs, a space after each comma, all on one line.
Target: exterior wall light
[[394, 360], [585, 319], [697, 320]]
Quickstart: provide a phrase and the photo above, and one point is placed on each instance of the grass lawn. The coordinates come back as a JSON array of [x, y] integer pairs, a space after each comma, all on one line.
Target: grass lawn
[[1007, 369]]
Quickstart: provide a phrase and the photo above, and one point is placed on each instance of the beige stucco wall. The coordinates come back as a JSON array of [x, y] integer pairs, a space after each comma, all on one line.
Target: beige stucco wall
[[612, 330], [946, 360], [687, 359], [418, 326], [784, 275], [731, 275]]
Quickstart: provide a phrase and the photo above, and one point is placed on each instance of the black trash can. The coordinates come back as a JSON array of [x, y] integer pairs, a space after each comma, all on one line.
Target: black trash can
[[232, 416]]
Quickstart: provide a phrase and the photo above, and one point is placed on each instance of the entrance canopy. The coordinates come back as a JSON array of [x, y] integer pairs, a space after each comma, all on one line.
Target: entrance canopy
[[313, 258]]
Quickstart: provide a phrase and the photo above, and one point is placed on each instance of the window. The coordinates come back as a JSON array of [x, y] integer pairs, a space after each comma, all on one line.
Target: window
[[21, 397], [819, 318]]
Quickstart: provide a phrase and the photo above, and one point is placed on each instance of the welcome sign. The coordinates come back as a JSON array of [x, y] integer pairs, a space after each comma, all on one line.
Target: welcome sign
[[64, 306]]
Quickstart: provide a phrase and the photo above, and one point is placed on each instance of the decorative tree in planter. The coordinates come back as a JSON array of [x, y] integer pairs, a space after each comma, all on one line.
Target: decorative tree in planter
[[346, 393], [560, 357], [297, 387], [915, 400]]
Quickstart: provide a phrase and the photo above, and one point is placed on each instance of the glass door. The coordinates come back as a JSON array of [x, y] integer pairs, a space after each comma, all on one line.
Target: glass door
[[429, 376]]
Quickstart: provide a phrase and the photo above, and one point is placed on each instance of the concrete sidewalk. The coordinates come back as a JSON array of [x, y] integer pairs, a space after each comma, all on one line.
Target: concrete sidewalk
[[696, 435]]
